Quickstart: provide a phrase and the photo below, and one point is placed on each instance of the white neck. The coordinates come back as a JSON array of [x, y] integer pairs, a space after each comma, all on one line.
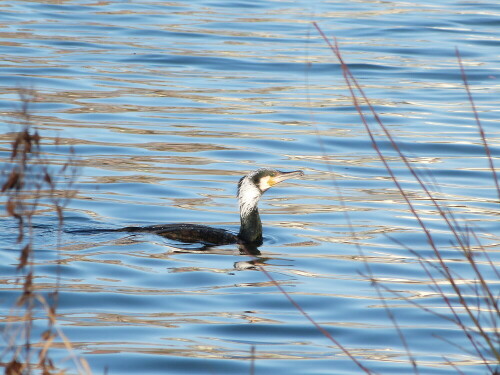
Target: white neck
[[248, 197]]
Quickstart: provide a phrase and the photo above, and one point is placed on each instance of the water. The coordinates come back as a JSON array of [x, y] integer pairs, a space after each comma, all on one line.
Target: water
[[168, 104]]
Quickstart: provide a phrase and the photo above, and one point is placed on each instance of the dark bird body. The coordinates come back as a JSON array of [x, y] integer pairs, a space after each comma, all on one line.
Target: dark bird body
[[189, 233], [250, 189]]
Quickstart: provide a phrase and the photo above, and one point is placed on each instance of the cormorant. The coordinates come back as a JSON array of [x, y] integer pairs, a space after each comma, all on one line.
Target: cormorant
[[250, 189]]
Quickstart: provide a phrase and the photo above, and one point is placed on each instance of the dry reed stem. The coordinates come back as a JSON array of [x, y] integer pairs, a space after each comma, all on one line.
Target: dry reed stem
[[29, 178], [478, 122], [462, 236], [305, 314], [252, 360]]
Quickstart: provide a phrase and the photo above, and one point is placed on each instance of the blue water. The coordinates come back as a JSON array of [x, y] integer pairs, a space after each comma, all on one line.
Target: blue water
[[168, 104]]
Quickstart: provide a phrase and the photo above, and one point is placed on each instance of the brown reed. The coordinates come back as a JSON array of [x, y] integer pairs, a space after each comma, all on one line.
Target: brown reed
[[29, 179], [483, 334]]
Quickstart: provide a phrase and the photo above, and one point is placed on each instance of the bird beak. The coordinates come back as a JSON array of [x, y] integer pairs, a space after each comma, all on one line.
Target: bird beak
[[282, 176]]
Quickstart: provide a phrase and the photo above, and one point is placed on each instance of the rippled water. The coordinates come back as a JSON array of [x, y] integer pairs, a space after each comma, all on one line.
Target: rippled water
[[168, 104]]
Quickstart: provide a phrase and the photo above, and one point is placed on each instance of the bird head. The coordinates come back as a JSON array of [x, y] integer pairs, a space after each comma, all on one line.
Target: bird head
[[253, 185]]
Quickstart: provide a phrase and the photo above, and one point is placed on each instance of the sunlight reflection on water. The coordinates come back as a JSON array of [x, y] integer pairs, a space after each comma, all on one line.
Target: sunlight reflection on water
[[169, 104]]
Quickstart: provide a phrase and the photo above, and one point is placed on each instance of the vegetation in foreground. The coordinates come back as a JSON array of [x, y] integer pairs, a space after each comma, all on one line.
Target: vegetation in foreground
[[31, 184], [30, 181]]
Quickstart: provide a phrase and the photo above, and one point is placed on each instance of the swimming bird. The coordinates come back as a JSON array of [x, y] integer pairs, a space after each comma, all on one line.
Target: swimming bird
[[250, 190]]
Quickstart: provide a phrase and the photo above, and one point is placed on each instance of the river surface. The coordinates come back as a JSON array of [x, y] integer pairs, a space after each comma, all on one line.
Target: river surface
[[168, 104]]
